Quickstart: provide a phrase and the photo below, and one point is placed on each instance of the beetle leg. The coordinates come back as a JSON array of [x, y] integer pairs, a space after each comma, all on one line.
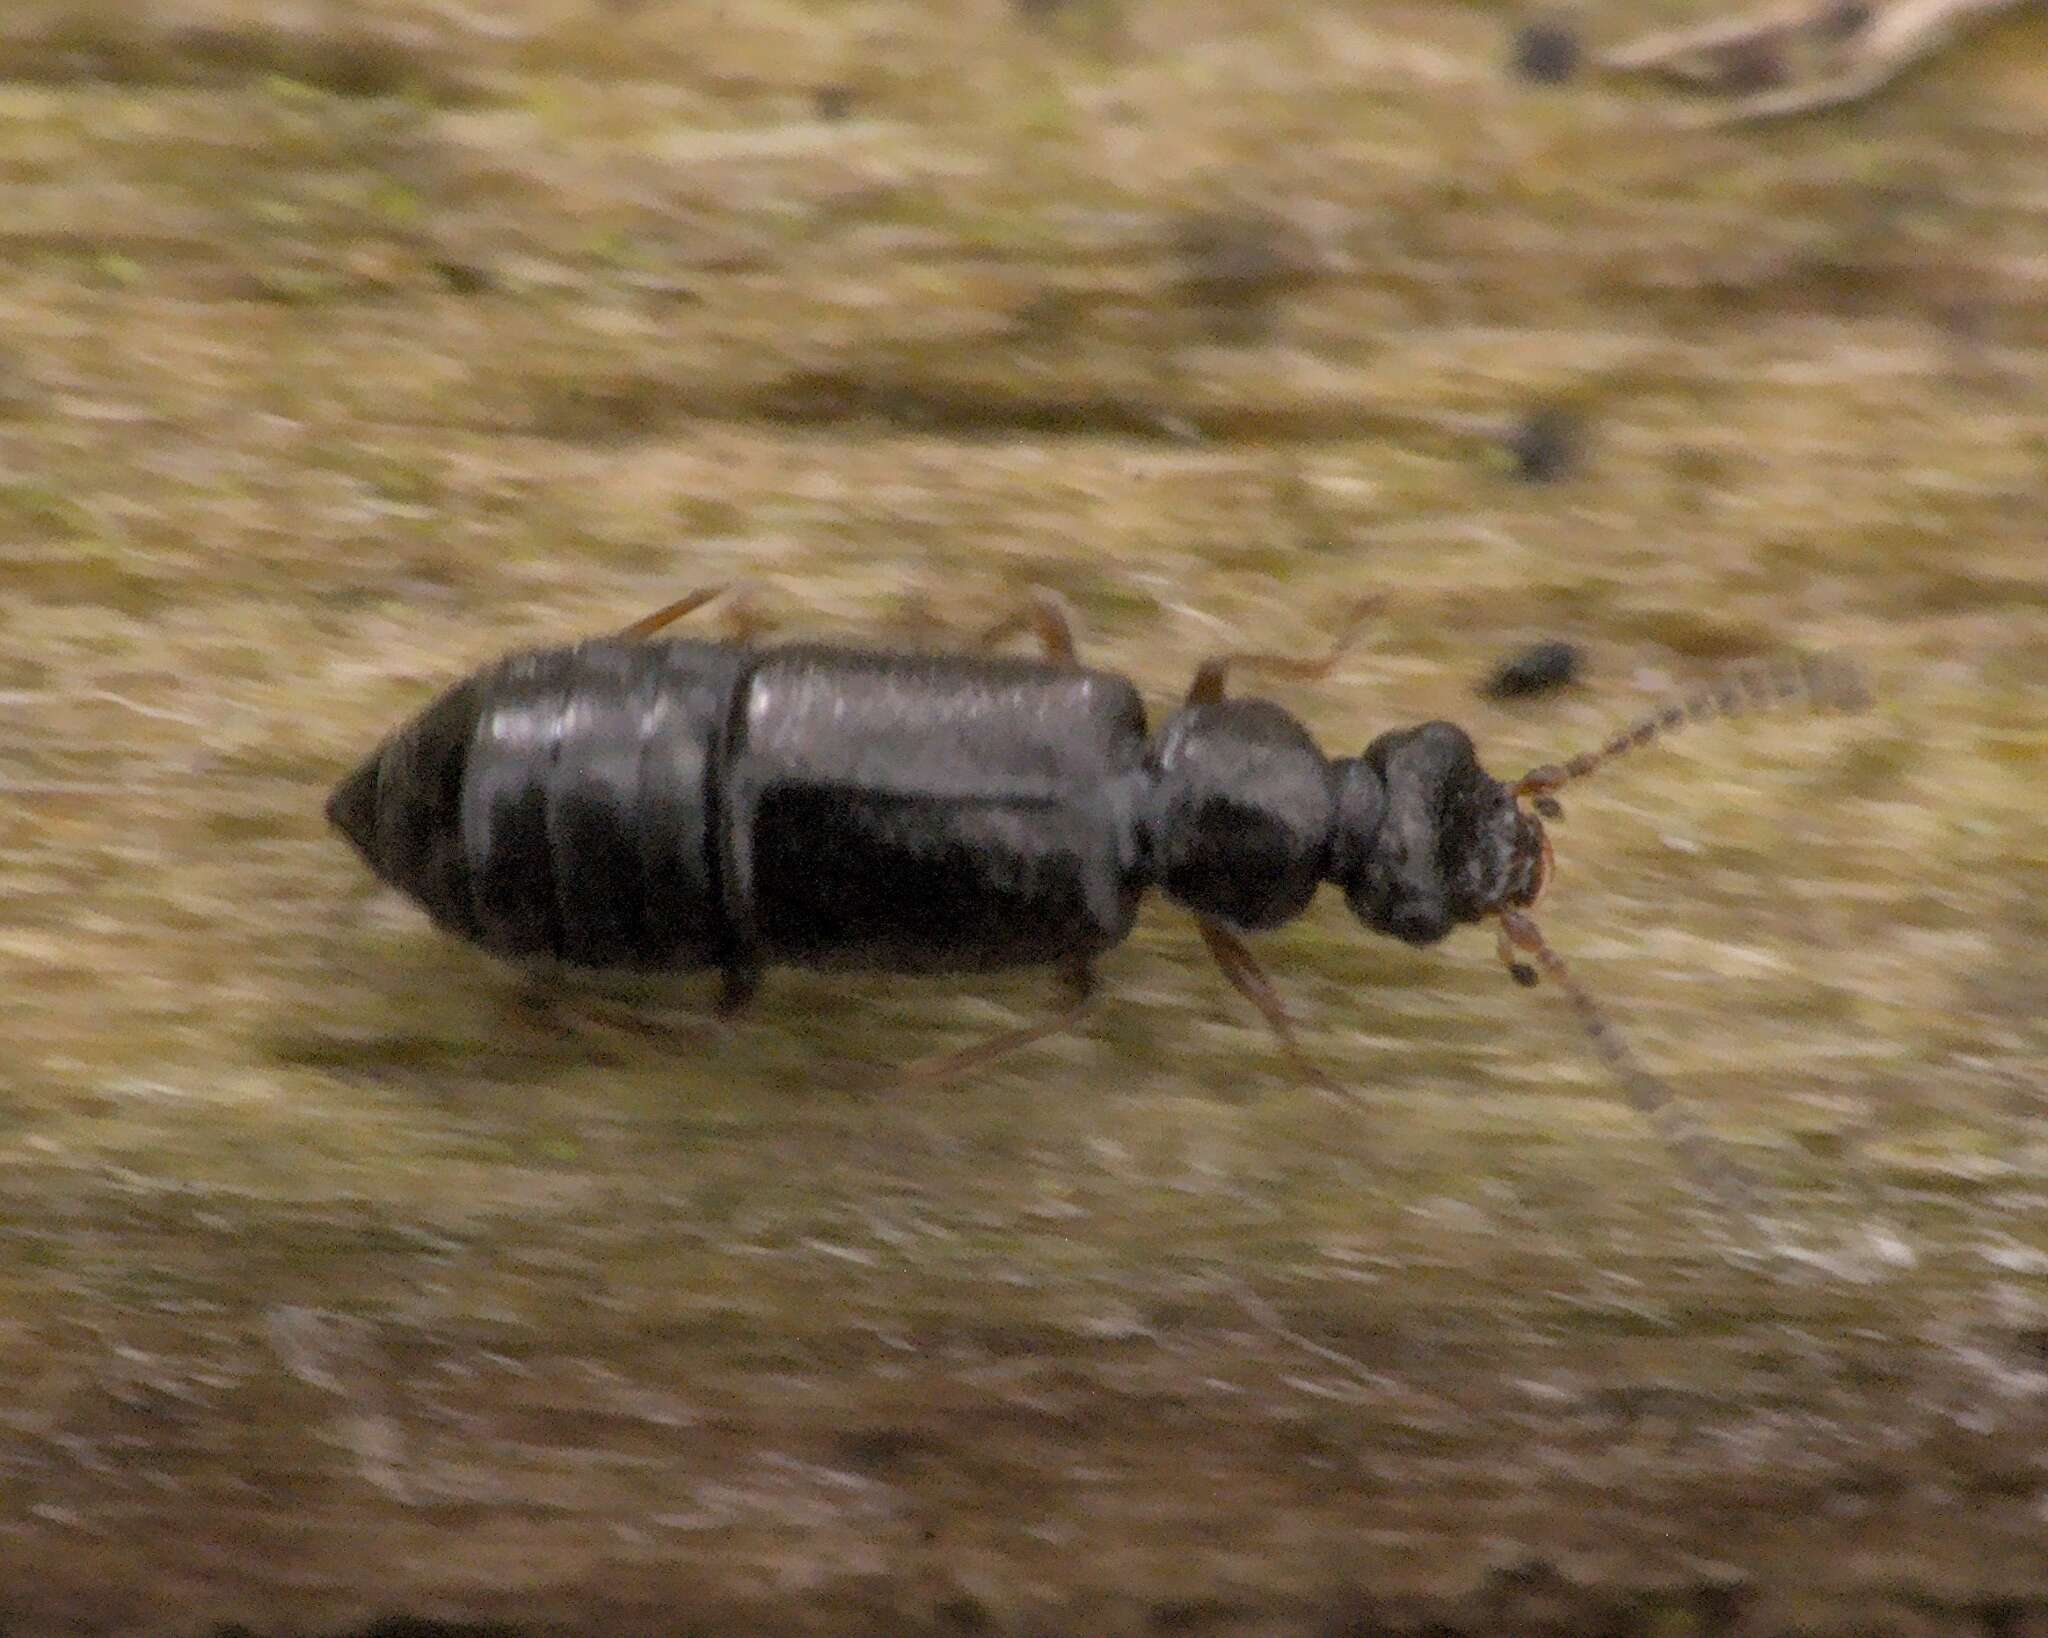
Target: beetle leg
[[1078, 978], [741, 622], [1049, 617], [1212, 674], [668, 613], [605, 1017], [1241, 967], [580, 1014]]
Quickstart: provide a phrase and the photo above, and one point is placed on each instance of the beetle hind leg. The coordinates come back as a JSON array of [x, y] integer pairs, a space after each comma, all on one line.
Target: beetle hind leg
[[1077, 978], [742, 621], [1048, 616]]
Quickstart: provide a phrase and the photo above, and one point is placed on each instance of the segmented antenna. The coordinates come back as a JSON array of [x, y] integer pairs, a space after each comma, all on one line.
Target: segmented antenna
[[1712, 1169], [1823, 682]]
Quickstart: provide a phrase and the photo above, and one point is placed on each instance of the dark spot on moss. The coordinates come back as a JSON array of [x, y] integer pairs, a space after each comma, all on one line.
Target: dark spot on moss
[[464, 278], [884, 1449], [1537, 669], [1545, 53], [1233, 266], [963, 1613], [1749, 66], [1547, 444]]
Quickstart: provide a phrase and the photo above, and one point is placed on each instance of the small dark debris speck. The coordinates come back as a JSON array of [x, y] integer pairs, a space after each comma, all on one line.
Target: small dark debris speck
[[464, 278], [1235, 265], [1846, 19], [1536, 670], [1546, 53], [833, 102], [885, 1449], [1747, 67], [1546, 444]]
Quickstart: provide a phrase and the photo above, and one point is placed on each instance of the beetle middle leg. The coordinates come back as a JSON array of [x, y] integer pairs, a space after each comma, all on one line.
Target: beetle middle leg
[[593, 1015], [1077, 978], [1212, 674], [1246, 976]]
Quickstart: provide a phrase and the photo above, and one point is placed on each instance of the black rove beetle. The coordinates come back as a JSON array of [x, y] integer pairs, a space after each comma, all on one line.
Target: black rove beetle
[[648, 803]]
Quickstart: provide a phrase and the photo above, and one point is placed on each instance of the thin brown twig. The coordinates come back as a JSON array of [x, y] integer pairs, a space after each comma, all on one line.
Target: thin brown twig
[[1788, 60]]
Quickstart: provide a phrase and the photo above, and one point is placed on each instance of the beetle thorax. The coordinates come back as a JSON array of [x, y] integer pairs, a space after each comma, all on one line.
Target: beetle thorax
[[1240, 812]]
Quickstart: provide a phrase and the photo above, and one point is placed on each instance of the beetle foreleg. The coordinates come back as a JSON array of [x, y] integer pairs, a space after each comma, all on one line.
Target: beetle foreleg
[[1241, 967]]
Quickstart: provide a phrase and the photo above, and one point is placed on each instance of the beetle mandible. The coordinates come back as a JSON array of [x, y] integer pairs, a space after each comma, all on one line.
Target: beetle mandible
[[643, 802]]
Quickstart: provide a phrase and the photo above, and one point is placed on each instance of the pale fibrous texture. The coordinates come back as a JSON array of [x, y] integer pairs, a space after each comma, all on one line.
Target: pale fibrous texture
[[346, 1273]]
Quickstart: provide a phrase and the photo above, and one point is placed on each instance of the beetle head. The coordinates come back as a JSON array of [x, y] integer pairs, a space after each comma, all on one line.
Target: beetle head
[[1427, 840]]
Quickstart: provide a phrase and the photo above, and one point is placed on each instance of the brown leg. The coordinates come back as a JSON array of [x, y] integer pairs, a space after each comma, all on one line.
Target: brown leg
[[611, 1016], [742, 624], [1048, 617], [1242, 969], [1079, 981], [1211, 676], [583, 1015]]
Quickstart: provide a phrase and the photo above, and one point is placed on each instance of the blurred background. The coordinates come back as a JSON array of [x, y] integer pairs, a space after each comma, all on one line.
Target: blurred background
[[345, 346]]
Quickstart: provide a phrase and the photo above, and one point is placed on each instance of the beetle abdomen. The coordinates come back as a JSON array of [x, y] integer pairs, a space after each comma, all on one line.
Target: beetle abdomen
[[559, 805]]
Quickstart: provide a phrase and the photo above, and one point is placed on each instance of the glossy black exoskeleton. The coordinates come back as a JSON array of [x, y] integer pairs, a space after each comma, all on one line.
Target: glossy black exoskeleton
[[651, 803]]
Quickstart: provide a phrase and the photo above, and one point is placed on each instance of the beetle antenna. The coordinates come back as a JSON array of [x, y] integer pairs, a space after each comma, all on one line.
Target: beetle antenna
[[1823, 682], [1714, 1172]]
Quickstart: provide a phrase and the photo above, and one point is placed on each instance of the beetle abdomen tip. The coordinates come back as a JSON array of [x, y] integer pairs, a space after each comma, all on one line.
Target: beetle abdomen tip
[[352, 808]]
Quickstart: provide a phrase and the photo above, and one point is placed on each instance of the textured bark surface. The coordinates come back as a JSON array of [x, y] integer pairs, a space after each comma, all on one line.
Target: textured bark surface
[[345, 1276]]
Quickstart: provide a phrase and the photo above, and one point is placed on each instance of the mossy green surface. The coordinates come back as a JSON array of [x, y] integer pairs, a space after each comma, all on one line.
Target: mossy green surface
[[347, 1272]]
